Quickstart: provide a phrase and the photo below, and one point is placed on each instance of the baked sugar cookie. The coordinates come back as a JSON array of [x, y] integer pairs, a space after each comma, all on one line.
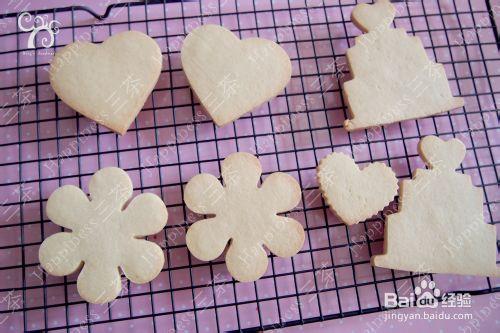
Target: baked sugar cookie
[[353, 194], [232, 76], [245, 215], [393, 79], [106, 233], [109, 82], [439, 227]]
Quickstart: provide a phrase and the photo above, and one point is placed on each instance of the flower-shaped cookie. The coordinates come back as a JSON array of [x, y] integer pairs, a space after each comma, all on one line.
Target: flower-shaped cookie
[[105, 235], [244, 214]]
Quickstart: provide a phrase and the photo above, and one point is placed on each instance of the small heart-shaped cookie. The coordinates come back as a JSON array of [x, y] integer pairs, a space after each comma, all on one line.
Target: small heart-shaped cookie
[[372, 17], [231, 76], [109, 82], [438, 153], [353, 194]]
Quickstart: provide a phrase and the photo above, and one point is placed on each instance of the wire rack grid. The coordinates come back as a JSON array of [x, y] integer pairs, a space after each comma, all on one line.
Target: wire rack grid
[[44, 144]]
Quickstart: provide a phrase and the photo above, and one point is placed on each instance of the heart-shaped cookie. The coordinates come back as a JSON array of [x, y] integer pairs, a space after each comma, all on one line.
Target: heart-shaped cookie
[[438, 153], [231, 76], [107, 82], [354, 194], [372, 17]]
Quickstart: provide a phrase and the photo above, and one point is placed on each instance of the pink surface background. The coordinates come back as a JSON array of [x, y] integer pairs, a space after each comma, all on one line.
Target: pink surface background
[[44, 145]]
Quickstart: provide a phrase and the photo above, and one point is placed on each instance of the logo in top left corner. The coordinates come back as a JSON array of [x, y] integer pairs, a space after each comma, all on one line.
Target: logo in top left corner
[[27, 23]]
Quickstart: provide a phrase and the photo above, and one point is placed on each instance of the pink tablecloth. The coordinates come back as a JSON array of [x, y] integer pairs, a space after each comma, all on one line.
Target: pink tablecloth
[[315, 37]]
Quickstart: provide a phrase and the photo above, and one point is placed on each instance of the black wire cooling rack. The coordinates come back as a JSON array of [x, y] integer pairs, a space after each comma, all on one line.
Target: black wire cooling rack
[[44, 145]]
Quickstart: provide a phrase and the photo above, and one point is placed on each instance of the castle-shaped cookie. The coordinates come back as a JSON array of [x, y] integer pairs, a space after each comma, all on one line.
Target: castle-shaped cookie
[[439, 227], [393, 79]]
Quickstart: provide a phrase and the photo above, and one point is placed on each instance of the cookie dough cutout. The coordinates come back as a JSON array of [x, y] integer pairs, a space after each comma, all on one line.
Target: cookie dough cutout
[[232, 76], [393, 79], [106, 233], [109, 82], [353, 194], [439, 227], [245, 214]]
